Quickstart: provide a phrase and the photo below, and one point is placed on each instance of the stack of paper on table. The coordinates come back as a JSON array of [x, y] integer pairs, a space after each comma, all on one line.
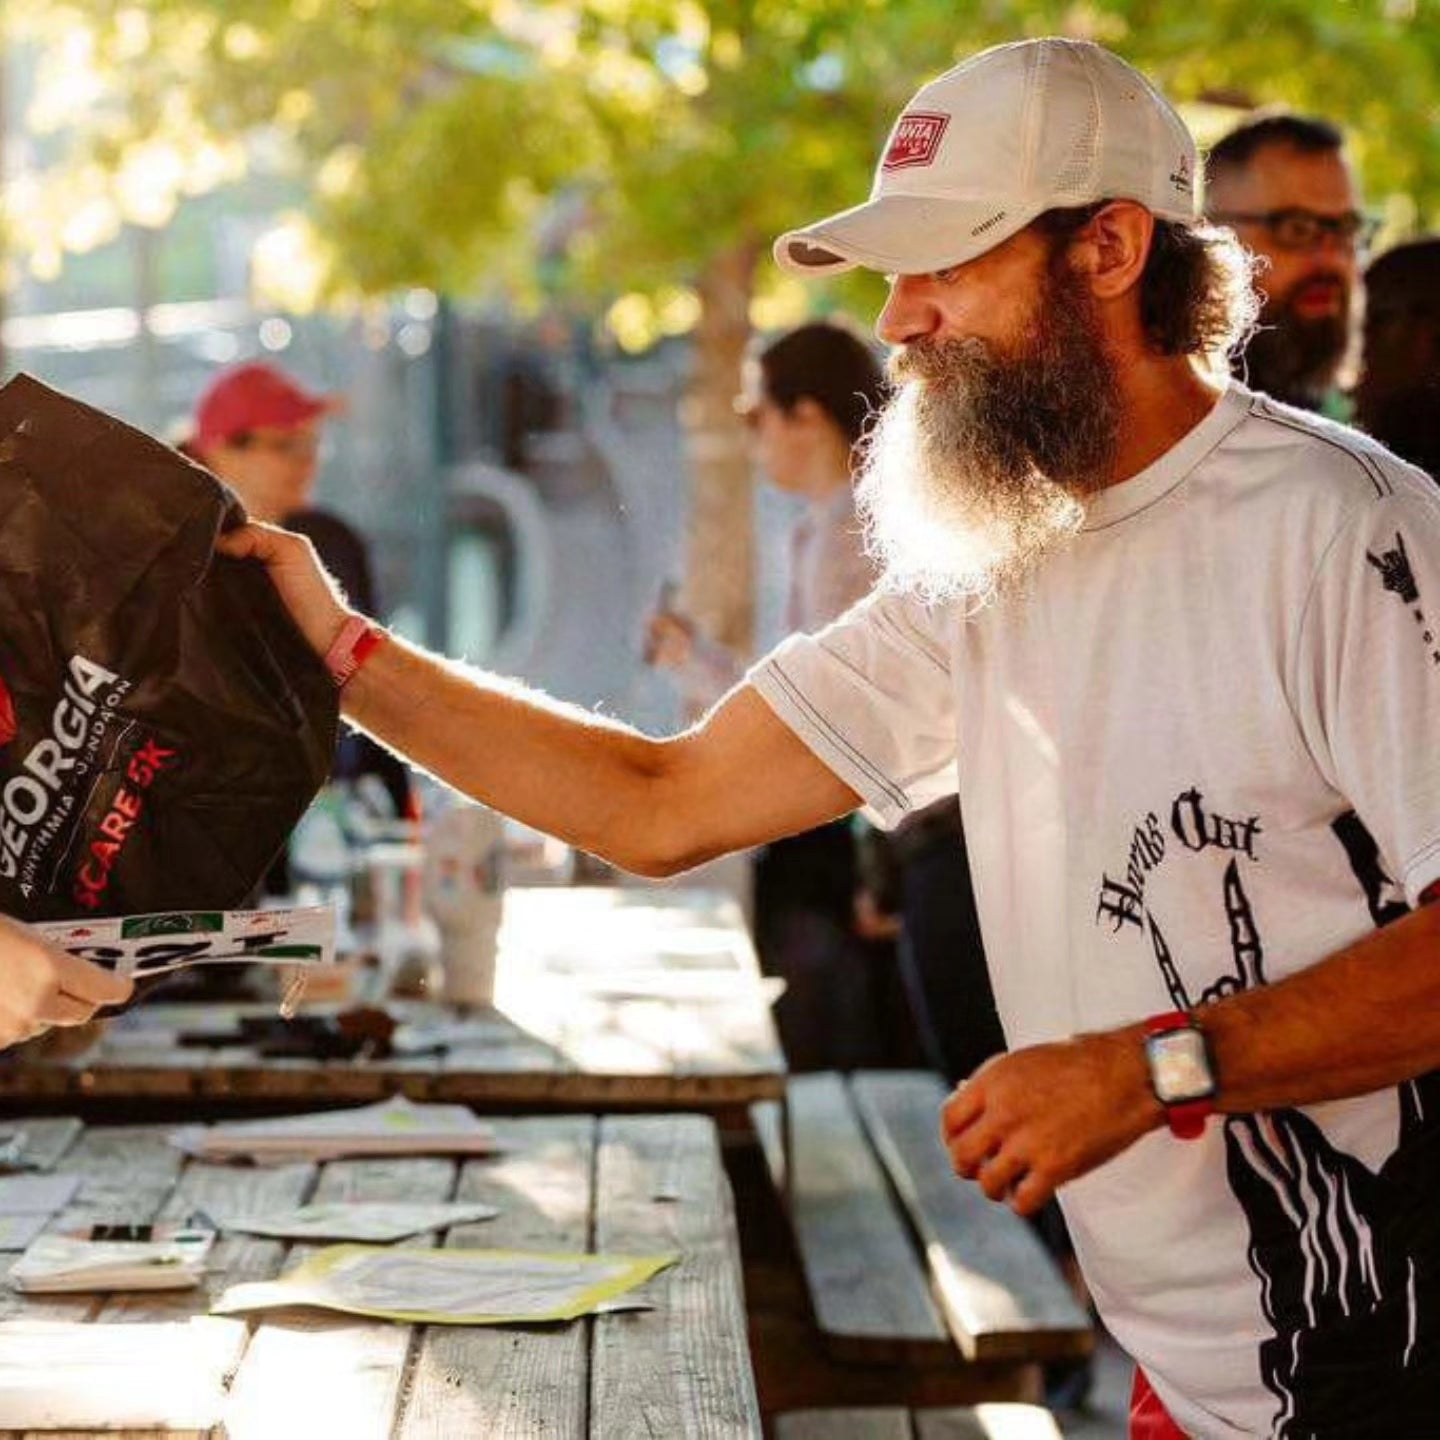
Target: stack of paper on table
[[393, 1127], [64, 1376], [56, 1264]]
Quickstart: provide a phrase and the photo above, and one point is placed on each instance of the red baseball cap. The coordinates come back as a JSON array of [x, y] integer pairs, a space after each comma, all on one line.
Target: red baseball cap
[[253, 397]]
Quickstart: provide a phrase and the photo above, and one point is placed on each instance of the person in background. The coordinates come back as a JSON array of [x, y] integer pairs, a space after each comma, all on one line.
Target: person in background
[[1282, 182], [806, 399], [260, 431], [42, 987], [1398, 397]]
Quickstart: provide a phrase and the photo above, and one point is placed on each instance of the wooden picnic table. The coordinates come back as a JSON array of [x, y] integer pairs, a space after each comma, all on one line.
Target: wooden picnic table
[[629, 1184], [605, 998]]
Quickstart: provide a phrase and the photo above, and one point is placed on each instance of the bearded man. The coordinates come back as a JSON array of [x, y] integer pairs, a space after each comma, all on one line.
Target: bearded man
[[1283, 182], [1175, 645]]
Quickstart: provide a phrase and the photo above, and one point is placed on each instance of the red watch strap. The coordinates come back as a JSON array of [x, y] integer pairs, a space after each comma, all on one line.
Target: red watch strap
[[1169, 1020], [1187, 1120]]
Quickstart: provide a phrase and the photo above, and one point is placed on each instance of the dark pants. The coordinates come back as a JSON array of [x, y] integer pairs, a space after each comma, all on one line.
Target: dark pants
[[830, 1017], [942, 957]]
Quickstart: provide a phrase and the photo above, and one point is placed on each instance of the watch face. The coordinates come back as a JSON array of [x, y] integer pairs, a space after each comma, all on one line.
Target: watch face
[[1179, 1066]]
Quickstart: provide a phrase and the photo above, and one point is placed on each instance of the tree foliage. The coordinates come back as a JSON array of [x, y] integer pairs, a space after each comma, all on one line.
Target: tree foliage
[[434, 135]]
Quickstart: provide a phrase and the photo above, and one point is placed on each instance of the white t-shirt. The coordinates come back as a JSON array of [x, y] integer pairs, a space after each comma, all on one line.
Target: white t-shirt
[[1200, 753]]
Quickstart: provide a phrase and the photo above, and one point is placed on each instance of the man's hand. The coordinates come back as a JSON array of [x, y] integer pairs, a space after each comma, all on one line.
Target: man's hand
[[41, 986], [311, 596], [1027, 1122]]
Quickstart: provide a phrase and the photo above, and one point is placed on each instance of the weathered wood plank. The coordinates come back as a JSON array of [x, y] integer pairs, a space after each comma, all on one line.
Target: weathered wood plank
[[987, 1422], [873, 1423], [999, 1291], [869, 1288], [508, 1383], [307, 1373], [235, 1258], [683, 1368], [126, 1174]]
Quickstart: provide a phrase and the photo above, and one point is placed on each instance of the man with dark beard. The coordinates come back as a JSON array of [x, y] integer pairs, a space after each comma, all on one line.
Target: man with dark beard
[[1176, 645], [1283, 183]]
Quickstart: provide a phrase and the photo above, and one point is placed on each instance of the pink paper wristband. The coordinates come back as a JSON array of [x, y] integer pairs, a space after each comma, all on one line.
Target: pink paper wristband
[[351, 648]]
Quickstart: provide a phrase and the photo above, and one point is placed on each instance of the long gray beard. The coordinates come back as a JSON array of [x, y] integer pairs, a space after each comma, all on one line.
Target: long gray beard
[[980, 465]]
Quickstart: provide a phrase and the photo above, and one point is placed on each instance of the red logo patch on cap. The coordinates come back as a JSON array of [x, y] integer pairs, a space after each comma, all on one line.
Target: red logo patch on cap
[[8, 724], [916, 139]]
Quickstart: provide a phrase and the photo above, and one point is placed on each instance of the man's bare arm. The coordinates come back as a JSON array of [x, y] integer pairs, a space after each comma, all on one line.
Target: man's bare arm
[[1365, 1018], [651, 806]]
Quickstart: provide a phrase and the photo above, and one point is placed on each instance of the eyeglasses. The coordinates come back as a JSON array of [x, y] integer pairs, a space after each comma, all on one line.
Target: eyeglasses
[[1296, 228]]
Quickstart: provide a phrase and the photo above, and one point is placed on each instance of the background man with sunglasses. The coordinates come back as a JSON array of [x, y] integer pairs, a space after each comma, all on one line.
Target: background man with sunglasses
[[1283, 182]]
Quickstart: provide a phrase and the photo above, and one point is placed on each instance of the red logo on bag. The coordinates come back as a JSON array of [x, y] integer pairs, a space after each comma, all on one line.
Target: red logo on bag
[[916, 139], [8, 723]]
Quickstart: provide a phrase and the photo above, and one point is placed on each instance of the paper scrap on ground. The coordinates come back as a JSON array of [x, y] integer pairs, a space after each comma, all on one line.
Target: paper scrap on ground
[[451, 1287], [142, 945], [57, 1375], [392, 1127], [173, 1260], [372, 1221]]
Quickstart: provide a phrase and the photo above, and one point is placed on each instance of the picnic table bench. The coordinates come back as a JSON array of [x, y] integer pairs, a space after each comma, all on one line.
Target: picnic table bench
[[605, 999], [627, 1184], [904, 1262]]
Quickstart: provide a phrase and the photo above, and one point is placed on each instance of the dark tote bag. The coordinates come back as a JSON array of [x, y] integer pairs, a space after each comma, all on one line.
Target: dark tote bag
[[163, 724]]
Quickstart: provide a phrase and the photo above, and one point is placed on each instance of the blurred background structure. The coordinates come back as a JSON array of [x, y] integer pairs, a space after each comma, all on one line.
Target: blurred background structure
[[530, 241]]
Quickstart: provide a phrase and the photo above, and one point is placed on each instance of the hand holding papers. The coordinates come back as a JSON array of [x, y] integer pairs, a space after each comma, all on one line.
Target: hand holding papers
[[393, 1127], [451, 1287]]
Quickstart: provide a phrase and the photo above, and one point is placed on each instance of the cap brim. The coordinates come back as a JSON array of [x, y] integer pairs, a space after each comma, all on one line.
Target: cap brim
[[901, 235], [332, 404]]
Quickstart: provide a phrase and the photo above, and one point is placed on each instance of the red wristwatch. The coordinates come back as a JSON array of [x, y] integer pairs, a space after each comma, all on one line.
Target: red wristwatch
[[1182, 1073]]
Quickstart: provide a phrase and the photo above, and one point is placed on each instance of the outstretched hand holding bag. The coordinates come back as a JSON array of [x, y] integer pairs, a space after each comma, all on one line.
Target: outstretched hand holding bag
[[163, 725]]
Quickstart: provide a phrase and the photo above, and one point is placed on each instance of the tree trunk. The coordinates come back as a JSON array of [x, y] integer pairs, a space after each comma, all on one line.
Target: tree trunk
[[720, 563]]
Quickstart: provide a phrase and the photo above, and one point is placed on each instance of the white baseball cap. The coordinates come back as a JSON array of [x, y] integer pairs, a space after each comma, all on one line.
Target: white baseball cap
[[980, 152]]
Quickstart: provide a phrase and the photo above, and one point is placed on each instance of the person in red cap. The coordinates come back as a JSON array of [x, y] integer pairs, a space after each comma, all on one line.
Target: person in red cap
[[259, 430]]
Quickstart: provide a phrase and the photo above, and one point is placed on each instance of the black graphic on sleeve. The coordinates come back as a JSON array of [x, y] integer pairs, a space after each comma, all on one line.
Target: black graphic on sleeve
[[1398, 577], [1347, 1260], [1395, 571]]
